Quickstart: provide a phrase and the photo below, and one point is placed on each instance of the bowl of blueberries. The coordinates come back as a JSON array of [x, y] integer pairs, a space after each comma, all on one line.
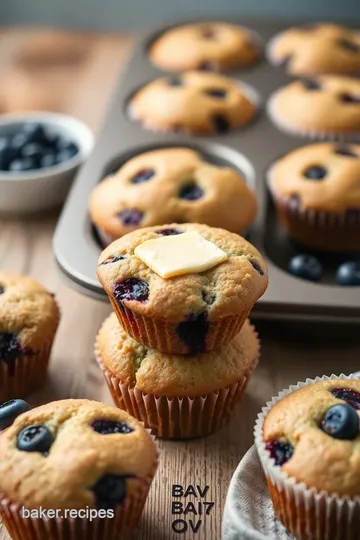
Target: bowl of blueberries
[[40, 154]]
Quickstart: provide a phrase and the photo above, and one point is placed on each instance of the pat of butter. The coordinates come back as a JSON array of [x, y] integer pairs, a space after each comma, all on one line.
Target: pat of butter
[[185, 253]]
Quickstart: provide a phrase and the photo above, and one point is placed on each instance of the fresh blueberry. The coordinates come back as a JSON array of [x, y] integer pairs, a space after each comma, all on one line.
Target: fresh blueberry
[[11, 410], [132, 289], [4, 142], [281, 452], [190, 191], [34, 151], [216, 93], [352, 397], [220, 123], [7, 154], [257, 266], [315, 172], [113, 259], [69, 146], [306, 267], [142, 176], [341, 422], [175, 81], [349, 46], [34, 132], [22, 164], [193, 332], [311, 84], [106, 427], [349, 274], [18, 142], [35, 439], [131, 216], [110, 490], [346, 97], [48, 160], [64, 155], [345, 151], [168, 232]]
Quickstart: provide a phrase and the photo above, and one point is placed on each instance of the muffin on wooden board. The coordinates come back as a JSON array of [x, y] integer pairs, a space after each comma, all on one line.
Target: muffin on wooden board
[[29, 318], [177, 396], [199, 306], [171, 185], [80, 455]]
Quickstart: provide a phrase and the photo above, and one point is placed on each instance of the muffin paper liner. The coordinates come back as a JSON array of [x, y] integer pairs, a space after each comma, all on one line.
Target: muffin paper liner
[[306, 512], [27, 372], [126, 518], [288, 127], [178, 417], [163, 336], [328, 231]]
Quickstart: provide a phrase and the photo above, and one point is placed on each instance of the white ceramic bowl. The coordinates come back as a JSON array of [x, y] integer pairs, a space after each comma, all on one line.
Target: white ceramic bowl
[[34, 191]]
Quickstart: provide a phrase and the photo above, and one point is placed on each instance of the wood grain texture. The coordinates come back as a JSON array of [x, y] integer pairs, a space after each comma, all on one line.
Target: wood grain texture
[[289, 352]]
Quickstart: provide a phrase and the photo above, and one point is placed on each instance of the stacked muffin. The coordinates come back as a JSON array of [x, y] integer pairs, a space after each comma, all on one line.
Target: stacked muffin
[[178, 350]]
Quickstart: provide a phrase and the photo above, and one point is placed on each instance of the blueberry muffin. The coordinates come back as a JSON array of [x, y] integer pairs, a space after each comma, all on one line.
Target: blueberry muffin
[[80, 455], [303, 107], [187, 294], [317, 49], [192, 103], [158, 388], [308, 440], [316, 191], [171, 185], [29, 317], [213, 46]]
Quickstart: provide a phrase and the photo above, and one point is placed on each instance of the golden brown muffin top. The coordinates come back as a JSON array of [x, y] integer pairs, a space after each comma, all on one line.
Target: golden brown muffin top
[[323, 177], [205, 45], [175, 375], [171, 184], [192, 102], [322, 105], [317, 48], [320, 460], [227, 289], [84, 457], [27, 310]]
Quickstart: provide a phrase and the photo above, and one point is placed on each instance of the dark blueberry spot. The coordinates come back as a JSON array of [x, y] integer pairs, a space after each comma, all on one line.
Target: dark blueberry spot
[[315, 172], [2, 290], [175, 81], [7, 154], [257, 267], [208, 33], [349, 46], [34, 132], [285, 62], [64, 145], [281, 452], [131, 216], [216, 93], [311, 84], [110, 490], [22, 164], [341, 422], [4, 142], [113, 259], [345, 97], [11, 410], [35, 439], [348, 274], [49, 159], [142, 176], [106, 427], [220, 123], [345, 151], [207, 66], [306, 267], [168, 232], [131, 289], [10, 349], [193, 332], [190, 191], [352, 397], [208, 297]]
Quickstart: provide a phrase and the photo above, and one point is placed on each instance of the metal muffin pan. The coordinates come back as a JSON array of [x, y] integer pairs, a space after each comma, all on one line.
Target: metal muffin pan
[[251, 150]]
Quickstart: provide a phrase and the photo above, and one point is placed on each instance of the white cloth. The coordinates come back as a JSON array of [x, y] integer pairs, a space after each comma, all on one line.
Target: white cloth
[[248, 512]]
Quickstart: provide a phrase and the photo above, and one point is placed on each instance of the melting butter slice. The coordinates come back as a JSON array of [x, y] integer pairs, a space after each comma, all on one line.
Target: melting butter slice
[[185, 253]]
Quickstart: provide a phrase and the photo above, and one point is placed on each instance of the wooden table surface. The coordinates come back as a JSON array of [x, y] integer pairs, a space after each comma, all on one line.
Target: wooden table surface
[[289, 352]]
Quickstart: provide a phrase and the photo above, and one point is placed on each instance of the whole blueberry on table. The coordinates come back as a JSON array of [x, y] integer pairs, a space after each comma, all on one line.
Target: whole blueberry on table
[[11, 410], [348, 274], [306, 267]]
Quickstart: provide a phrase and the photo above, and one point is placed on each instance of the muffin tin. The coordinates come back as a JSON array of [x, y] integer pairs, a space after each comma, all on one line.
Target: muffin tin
[[251, 150]]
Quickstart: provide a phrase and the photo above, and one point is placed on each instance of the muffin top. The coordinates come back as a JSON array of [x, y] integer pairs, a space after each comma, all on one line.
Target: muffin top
[[29, 315], [175, 375], [227, 289], [324, 176], [305, 104], [313, 434], [73, 454], [209, 45], [193, 102], [317, 48], [168, 185]]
